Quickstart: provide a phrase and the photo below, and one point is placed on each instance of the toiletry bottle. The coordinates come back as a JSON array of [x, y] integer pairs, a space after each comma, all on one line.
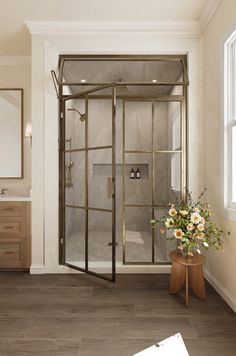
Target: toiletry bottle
[[138, 174], [132, 175]]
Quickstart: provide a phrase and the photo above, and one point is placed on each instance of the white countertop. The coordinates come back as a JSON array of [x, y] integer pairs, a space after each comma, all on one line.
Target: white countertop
[[14, 198]]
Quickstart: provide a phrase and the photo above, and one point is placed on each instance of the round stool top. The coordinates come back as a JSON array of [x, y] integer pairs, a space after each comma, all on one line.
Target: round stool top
[[194, 260]]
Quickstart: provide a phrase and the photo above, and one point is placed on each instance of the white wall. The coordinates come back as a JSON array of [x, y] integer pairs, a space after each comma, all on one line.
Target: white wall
[[19, 76], [221, 266]]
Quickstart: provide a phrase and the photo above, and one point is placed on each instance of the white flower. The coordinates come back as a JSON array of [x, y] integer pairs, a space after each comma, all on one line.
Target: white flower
[[196, 210], [200, 227], [178, 233], [169, 222], [205, 244], [172, 212], [190, 227], [203, 221], [196, 218], [200, 235], [183, 212]]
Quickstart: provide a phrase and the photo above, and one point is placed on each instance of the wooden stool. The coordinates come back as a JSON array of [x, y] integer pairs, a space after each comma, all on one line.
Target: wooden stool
[[189, 270]]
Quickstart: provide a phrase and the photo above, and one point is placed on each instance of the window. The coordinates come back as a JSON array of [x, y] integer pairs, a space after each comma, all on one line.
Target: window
[[230, 120]]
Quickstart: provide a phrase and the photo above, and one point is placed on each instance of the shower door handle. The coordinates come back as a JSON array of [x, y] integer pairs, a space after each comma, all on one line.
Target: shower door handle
[[110, 187]]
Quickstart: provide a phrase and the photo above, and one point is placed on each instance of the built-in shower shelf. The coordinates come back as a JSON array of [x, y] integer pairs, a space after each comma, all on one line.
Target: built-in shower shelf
[[105, 169]]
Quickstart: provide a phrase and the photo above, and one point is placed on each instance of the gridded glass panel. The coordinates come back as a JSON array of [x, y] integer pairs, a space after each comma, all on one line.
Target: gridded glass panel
[[75, 178], [163, 245], [75, 237], [74, 124], [100, 121], [138, 235], [138, 190], [100, 178], [167, 181], [99, 238], [138, 126], [167, 126]]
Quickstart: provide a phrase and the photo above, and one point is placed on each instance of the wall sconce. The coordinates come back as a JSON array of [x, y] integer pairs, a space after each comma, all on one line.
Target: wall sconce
[[28, 131]]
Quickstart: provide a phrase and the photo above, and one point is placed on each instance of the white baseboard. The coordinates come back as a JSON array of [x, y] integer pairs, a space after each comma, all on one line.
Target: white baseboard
[[37, 269], [103, 267], [226, 295]]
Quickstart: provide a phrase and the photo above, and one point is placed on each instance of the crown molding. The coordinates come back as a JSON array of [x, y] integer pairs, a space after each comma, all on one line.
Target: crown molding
[[174, 29], [207, 13], [15, 60]]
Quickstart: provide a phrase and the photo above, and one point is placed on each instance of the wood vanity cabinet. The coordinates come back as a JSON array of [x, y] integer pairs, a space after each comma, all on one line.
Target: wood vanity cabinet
[[15, 235]]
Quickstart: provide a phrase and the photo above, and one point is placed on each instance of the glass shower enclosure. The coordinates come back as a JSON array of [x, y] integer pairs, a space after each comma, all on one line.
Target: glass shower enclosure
[[122, 157]]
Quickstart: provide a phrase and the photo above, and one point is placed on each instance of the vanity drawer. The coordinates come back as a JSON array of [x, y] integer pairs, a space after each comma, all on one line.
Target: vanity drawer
[[12, 227], [12, 253], [9, 251], [13, 209]]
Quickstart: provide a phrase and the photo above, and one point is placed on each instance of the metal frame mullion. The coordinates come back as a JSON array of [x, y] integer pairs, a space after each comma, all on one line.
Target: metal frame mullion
[[123, 182], [86, 184], [89, 148], [184, 147], [113, 183], [153, 182], [62, 239]]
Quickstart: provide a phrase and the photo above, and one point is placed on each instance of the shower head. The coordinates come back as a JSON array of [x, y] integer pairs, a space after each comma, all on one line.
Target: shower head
[[82, 116]]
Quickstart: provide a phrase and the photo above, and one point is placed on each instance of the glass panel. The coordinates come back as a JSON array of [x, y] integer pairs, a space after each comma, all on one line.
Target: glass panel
[[75, 237], [162, 244], [167, 126], [100, 178], [138, 190], [100, 121], [234, 164], [138, 235], [138, 126], [99, 237], [167, 179], [99, 71], [75, 178], [75, 123]]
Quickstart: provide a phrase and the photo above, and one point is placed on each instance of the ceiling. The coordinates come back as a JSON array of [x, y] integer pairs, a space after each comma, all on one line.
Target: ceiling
[[15, 39]]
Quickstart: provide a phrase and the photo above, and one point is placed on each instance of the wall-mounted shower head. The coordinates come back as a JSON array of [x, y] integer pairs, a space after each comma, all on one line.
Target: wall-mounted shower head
[[82, 116]]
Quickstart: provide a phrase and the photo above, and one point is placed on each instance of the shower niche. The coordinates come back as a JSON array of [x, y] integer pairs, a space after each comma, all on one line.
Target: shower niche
[[122, 157]]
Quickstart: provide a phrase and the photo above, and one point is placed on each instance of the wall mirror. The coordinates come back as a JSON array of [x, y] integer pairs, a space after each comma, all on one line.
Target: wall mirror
[[11, 133]]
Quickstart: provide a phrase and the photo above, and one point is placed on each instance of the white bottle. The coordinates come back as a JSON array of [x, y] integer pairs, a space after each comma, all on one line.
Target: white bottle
[[138, 174], [132, 174]]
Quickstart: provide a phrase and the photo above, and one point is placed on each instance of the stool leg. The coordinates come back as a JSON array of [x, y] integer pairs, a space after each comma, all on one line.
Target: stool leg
[[177, 277], [196, 279], [186, 286]]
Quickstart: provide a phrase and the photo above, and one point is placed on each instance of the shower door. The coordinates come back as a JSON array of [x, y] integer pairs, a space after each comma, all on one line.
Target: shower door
[[87, 181]]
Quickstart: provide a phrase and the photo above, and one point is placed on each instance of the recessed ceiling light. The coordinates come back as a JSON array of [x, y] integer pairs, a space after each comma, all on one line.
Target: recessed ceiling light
[[154, 80], [83, 80]]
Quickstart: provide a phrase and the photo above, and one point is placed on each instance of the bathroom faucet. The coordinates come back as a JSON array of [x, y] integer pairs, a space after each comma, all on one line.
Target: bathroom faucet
[[3, 191]]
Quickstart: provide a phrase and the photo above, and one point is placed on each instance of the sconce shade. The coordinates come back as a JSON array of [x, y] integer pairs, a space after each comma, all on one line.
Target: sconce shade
[[28, 130]]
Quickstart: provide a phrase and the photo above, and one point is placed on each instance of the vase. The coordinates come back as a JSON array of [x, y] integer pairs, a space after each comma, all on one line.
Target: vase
[[184, 252]]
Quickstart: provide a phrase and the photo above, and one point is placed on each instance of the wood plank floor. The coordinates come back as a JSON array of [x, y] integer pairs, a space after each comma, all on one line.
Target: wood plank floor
[[79, 315]]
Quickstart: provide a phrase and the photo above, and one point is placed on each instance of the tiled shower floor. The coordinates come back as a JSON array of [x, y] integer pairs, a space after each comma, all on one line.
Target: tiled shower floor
[[138, 248]]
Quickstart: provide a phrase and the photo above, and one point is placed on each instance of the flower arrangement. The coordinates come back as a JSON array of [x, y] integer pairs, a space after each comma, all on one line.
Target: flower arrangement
[[191, 225]]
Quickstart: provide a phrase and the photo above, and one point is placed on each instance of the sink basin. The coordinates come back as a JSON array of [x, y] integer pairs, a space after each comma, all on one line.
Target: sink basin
[[14, 198]]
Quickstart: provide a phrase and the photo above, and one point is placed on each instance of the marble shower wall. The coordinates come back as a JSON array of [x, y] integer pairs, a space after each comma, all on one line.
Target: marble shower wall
[[138, 133]]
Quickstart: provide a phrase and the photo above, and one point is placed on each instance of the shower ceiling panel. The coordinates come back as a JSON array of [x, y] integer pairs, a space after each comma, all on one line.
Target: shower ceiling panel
[[159, 74]]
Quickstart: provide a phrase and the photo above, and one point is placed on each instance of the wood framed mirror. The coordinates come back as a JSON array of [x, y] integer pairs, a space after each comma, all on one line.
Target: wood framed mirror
[[11, 133]]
